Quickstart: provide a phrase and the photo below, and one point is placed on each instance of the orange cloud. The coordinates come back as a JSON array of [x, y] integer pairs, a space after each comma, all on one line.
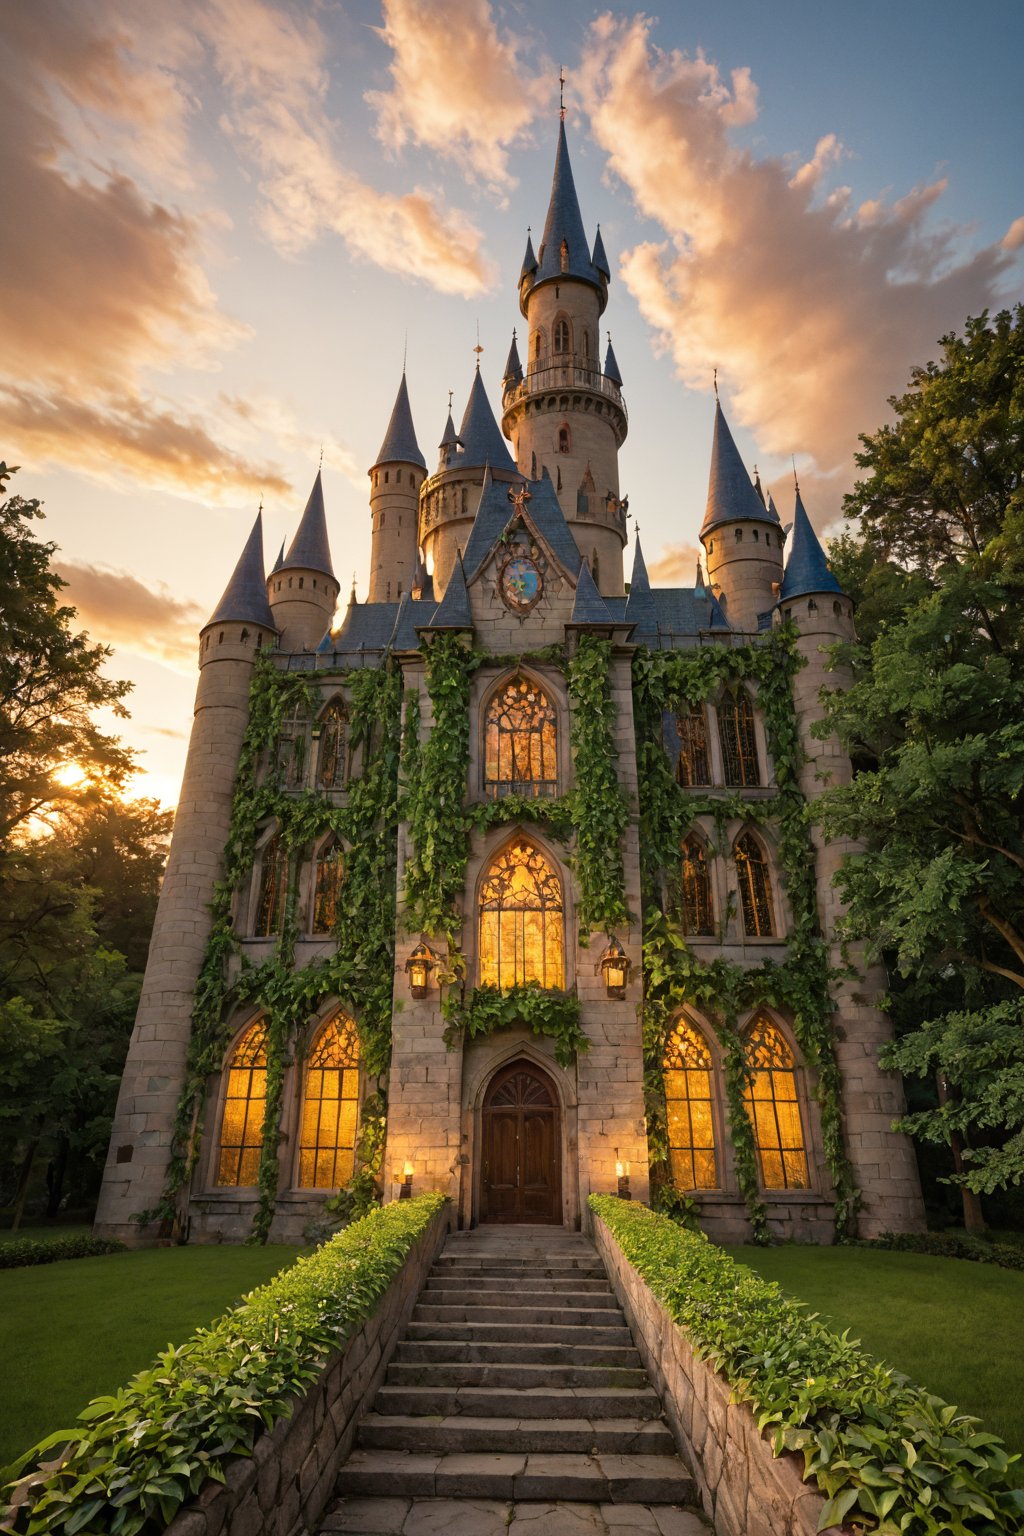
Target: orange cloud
[[675, 565], [121, 611]]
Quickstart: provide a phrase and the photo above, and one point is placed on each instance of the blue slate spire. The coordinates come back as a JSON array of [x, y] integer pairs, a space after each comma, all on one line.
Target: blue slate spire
[[611, 366], [773, 510], [244, 599], [453, 611], [400, 445], [564, 226], [529, 260], [513, 367], [640, 609], [589, 606], [279, 561], [309, 550], [731, 495], [806, 569], [598, 259], [480, 434]]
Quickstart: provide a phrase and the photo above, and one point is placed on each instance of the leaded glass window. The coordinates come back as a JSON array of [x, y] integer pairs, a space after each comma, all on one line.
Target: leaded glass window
[[332, 762], [774, 1108], [692, 765], [739, 742], [245, 1096], [755, 888], [273, 889], [330, 1106], [561, 335], [328, 879], [290, 749], [522, 921], [520, 741], [688, 1075], [696, 909]]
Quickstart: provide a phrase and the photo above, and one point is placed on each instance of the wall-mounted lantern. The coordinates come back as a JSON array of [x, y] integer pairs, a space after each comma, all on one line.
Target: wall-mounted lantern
[[419, 966], [402, 1179], [615, 967], [622, 1178]]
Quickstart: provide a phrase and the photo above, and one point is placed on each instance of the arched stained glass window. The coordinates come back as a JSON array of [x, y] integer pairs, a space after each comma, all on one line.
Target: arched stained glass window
[[774, 1108], [688, 1073], [328, 880], [522, 922], [692, 764], [330, 1105], [755, 888], [290, 752], [332, 759], [245, 1097], [273, 888], [520, 746], [696, 909], [739, 742]]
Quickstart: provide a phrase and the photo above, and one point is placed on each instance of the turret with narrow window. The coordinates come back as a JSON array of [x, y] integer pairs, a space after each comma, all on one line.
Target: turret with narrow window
[[395, 479]]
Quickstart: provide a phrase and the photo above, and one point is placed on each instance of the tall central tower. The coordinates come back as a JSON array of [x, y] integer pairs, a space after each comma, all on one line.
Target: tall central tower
[[560, 410]]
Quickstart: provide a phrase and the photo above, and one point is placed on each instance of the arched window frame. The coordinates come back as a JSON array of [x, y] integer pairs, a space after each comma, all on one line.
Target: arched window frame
[[561, 336], [693, 767], [550, 786], [246, 1056], [739, 741], [705, 1040], [348, 1119], [267, 909], [328, 861], [538, 344], [755, 900], [697, 846], [564, 438], [290, 752], [333, 763], [508, 975], [793, 1177]]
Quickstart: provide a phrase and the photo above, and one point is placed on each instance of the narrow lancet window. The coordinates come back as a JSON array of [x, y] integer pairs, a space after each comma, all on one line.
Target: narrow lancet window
[[273, 890], [520, 741], [245, 1096], [522, 921], [688, 1075], [332, 764], [774, 1108], [328, 880], [755, 888], [692, 764], [330, 1107], [697, 915], [739, 742], [290, 757]]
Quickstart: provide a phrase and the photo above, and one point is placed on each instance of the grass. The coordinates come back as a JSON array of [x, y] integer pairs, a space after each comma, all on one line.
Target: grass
[[74, 1330], [954, 1326], [42, 1233]]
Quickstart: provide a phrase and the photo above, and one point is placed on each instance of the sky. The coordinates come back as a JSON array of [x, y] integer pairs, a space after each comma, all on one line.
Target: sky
[[228, 222]]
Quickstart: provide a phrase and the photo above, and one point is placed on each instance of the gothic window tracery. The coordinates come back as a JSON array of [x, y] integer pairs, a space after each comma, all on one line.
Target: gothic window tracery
[[739, 740], [245, 1095], [520, 741], [697, 913], [561, 335], [773, 1104], [330, 1104], [332, 761], [688, 1075], [522, 920], [327, 883], [692, 764], [272, 890], [290, 749], [755, 887]]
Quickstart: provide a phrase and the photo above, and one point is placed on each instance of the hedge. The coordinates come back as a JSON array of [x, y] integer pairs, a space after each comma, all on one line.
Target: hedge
[[948, 1245], [134, 1458], [885, 1453], [21, 1251]]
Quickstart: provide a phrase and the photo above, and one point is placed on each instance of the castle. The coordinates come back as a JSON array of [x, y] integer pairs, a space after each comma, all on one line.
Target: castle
[[506, 887]]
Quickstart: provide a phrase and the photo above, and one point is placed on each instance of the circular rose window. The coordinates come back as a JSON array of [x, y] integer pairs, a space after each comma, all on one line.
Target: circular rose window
[[521, 582]]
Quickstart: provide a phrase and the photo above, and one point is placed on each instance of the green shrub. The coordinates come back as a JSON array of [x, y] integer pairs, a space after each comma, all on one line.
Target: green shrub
[[949, 1245], [884, 1452], [21, 1251], [133, 1458]]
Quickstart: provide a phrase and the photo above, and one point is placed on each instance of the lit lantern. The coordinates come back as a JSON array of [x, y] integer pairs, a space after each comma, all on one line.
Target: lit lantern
[[405, 1193], [615, 967], [622, 1178], [419, 966]]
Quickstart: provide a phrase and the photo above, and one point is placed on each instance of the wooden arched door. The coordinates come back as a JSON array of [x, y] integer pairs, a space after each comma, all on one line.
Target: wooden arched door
[[522, 1148]]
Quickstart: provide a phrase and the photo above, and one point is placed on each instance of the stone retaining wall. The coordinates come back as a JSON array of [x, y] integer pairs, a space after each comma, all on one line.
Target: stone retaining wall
[[744, 1489], [287, 1483]]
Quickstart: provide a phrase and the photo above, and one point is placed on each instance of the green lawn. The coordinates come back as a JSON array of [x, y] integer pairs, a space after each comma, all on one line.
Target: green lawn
[[954, 1326], [72, 1330]]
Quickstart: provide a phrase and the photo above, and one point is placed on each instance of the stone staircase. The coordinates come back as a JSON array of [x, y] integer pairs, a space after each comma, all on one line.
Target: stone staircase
[[516, 1401]]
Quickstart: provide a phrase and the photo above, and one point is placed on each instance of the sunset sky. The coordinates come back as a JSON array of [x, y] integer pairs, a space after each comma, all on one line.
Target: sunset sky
[[225, 221]]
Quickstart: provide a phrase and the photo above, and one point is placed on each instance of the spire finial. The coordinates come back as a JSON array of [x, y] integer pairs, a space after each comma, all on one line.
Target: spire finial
[[451, 394], [321, 464], [716, 384], [260, 508], [478, 348], [561, 94], [796, 481], [405, 352], [353, 596]]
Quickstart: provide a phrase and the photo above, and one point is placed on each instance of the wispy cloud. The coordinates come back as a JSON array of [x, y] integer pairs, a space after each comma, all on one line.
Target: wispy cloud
[[119, 610]]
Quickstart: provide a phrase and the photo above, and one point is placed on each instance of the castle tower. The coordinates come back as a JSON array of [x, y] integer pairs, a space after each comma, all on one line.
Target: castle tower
[[395, 480], [141, 1139], [885, 1168], [302, 588], [563, 413], [742, 537]]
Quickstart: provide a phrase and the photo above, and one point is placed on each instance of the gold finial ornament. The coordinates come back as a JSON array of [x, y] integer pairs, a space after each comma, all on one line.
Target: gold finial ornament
[[561, 94], [520, 497]]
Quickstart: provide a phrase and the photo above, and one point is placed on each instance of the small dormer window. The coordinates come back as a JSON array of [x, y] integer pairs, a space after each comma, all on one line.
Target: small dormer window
[[563, 255]]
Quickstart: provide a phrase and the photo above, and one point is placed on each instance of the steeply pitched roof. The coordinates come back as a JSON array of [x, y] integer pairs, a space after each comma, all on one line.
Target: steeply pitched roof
[[731, 495], [589, 606], [400, 445], [480, 434], [309, 550], [611, 366], [453, 611], [279, 561], [806, 569], [494, 513], [598, 258], [513, 367], [565, 222], [773, 510], [244, 599], [640, 609], [529, 259]]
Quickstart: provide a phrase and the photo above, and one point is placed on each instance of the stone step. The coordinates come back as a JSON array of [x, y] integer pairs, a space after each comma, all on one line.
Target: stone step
[[486, 1312], [475, 1373], [484, 1266], [520, 1402], [512, 1333], [434, 1351], [605, 1478], [626, 1437], [455, 1280], [521, 1296]]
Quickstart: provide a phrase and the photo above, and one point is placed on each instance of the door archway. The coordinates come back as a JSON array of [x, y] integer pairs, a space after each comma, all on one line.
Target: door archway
[[521, 1175]]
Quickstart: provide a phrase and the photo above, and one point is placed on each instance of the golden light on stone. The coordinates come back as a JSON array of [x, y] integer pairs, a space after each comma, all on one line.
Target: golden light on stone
[[418, 967], [522, 924]]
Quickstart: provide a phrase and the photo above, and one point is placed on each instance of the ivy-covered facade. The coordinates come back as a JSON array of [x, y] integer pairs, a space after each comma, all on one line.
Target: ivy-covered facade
[[508, 885]]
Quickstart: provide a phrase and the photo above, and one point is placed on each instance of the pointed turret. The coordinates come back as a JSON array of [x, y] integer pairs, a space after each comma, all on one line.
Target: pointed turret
[[598, 259], [480, 434], [640, 610], [303, 588], [589, 606], [731, 494], [773, 511], [807, 568], [453, 611], [400, 445], [611, 365], [244, 599], [513, 367], [564, 251], [742, 538], [280, 559], [395, 481], [309, 550], [529, 266]]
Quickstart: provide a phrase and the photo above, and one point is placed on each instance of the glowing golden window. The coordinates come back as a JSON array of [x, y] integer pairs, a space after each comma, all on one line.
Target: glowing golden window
[[739, 742], [330, 1106], [522, 923], [332, 766], [520, 741], [273, 889], [692, 762], [696, 910], [688, 1075], [329, 878], [774, 1108], [755, 888], [241, 1130]]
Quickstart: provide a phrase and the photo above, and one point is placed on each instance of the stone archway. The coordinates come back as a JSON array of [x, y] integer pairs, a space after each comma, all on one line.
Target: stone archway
[[521, 1145]]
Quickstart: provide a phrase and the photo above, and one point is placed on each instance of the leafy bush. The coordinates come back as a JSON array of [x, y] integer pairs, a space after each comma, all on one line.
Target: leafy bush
[[21, 1251], [134, 1458], [884, 1452], [949, 1245]]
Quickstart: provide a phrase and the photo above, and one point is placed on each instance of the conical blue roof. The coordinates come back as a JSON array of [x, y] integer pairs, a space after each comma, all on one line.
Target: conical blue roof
[[598, 259], [245, 597], [453, 611], [731, 495], [589, 606], [640, 608], [806, 569], [481, 437], [513, 367], [309, 550], [400, 445], [279, 561], [773, 511], [611, 366], [529, 260], [565, 223]]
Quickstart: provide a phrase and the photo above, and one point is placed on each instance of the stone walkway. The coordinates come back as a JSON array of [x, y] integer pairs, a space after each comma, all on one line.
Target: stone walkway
[[515, 1402]]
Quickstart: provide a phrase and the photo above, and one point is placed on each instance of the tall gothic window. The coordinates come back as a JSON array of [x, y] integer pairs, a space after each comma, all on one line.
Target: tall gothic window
[[522, 921], [739, 743], [755, 888], [520, 741], [245, 1096], [774, 1108], [273, 889], [692, 765], [290, 755], [330, 1104], [696, 909], [688, 1073], [329, 876], [332, 763], [561, 335]]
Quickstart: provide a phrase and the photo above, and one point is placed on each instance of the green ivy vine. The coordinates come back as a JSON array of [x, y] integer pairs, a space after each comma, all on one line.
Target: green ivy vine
[[600, 812], [544, 1012]]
